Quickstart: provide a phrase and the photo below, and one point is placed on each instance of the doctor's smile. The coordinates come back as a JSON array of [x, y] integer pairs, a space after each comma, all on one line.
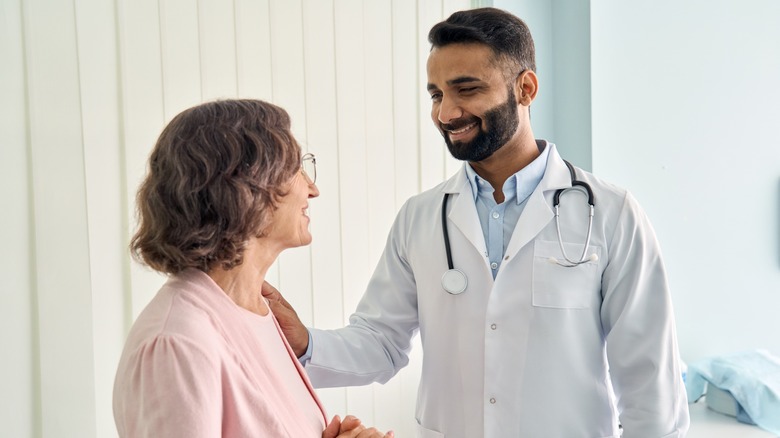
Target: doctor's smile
[[458, 133]]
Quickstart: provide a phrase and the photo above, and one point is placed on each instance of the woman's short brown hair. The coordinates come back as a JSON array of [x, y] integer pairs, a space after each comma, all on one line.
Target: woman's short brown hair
[[214, 178]]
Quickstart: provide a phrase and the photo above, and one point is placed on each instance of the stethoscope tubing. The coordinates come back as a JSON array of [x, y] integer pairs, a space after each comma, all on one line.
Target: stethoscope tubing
[[454, 281]]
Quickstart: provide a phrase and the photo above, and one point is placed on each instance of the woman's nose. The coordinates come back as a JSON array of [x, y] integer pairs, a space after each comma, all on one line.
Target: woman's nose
[[314, 191]]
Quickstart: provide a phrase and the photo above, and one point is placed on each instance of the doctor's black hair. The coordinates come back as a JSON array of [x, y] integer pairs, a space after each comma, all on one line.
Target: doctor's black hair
[[507, 35]]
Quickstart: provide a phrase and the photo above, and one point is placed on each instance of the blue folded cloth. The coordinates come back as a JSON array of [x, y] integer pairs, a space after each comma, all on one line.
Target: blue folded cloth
[[752, 378]]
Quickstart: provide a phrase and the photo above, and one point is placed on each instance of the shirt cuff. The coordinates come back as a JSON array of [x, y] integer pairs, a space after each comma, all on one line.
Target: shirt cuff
[[307, 355]]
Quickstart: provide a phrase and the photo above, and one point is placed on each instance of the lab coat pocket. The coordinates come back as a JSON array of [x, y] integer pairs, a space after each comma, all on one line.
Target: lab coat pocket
[[427, 433], [563, 287]]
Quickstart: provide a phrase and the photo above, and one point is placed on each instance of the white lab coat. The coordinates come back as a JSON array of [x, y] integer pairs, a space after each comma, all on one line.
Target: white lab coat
[[542, 351]]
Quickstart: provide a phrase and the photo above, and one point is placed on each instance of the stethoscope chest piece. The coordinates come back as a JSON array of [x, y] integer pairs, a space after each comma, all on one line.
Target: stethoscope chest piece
[[454, 281]]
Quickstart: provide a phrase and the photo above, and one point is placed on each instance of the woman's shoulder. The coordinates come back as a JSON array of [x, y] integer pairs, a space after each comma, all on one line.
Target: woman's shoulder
[[184, 313]]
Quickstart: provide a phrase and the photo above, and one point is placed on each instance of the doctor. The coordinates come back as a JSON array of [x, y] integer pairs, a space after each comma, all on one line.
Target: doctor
[[532, 345]]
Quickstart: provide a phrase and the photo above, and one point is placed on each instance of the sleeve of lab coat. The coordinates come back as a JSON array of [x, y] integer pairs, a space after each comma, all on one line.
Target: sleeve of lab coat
[[376, 343], [638, 322]]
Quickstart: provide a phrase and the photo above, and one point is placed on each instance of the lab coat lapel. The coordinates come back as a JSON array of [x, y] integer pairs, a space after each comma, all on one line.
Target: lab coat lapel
[[538, 211], [463, 212]]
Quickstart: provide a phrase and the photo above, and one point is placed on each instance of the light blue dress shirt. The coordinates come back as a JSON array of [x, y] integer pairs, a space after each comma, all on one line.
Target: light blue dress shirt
[[498, 220]]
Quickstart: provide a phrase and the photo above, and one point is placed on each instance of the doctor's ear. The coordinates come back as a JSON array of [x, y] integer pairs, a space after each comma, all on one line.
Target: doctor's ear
[[526, 87]]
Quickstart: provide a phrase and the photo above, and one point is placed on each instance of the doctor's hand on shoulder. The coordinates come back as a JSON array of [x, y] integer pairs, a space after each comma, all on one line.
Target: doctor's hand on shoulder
[[296, 333], [351, 427]]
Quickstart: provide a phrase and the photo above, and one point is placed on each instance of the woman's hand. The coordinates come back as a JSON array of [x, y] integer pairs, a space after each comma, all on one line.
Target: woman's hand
[[296, 333], [352, 428]]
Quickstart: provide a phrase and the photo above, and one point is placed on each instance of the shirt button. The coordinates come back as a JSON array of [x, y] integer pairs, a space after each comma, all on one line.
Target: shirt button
[[495, 215], [494, 265], [492, 401], [493, 326]]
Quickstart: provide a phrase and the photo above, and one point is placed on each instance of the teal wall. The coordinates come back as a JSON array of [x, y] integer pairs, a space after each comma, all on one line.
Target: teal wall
[[561, 113]]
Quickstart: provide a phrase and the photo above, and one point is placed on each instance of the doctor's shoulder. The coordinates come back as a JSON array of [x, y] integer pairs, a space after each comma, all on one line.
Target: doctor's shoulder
[[610, 197], [614, 205]]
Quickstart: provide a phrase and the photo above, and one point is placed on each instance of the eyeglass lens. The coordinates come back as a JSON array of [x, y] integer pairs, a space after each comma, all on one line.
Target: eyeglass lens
[[310, 167]]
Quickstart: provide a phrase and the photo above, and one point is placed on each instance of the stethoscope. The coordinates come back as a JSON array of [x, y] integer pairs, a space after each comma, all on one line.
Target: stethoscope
[[454, 281]]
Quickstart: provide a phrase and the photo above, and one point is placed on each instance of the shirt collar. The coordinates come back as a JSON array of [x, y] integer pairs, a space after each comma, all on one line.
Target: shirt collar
[[518, 186]]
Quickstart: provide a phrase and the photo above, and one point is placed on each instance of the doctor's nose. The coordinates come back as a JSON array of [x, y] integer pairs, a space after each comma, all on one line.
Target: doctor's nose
[[446, 111]]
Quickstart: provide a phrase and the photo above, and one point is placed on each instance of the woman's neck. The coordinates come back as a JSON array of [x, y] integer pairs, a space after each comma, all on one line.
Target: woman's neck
[[243, 282]]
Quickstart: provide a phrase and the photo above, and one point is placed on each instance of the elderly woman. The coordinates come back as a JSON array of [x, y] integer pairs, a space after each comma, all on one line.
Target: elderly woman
[[226, 192]]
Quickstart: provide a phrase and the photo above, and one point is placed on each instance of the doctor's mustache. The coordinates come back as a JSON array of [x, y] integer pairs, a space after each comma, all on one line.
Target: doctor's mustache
[[460, 123]]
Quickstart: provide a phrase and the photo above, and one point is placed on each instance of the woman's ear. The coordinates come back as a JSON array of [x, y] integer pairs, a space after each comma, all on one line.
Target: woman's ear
[[526, 87]]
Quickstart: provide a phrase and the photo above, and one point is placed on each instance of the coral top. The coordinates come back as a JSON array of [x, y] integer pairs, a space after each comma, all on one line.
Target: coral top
[[197, 365]]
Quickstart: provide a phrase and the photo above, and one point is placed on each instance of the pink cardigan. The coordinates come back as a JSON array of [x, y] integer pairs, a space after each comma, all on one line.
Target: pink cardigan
[[197, 365]]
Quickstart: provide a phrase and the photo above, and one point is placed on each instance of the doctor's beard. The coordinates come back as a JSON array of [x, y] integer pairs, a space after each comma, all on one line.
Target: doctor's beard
[[501, 123]]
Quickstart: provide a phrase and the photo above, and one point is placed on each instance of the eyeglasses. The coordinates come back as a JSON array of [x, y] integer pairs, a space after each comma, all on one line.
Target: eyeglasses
[[309, 167]]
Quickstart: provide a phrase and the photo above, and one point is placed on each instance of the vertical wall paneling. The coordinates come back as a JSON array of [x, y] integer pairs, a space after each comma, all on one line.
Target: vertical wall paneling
[[180, 55], [60, 220], [106, 210], [322, 140], [217, 49], [18, 394], [287, 60], [289, 92], [351, 106], [380, 165], [408, 89], [253, 49], [380, 155], [143, 118], [87, 87], [432, 147]]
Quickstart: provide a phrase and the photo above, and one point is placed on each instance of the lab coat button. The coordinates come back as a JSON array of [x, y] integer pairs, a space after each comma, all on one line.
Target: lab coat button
[[492, 401], [494, 265], [493, 326]]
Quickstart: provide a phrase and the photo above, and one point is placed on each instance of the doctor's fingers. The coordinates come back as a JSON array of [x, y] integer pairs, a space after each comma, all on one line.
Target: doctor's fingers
[[296, 333], [272, 294], [362, 432]]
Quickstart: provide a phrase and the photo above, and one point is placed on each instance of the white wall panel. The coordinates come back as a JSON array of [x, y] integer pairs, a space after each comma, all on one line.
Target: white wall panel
[[380, 167], [253, 49], [106, 208], [18, 339], [322, 140], [351, 107], [143, 118], [180, 55], [408, 90], [380, 153], [217, 49], [60, 220]]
